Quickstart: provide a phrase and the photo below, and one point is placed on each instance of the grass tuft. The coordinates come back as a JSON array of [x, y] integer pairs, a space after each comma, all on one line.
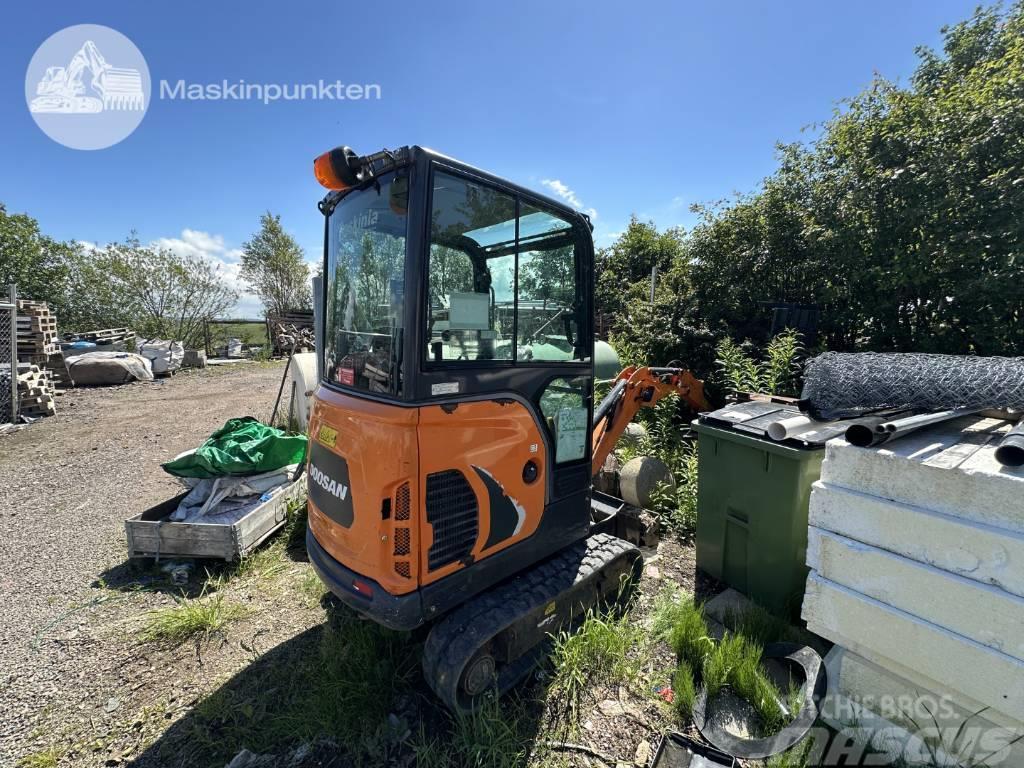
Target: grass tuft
[[47, 758], [598, 652], [484, 738], [684, 691], [337, 681], [188, 618], [680, 621]]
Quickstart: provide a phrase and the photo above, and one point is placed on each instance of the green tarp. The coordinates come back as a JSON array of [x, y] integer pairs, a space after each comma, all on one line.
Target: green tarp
[[241, 447]]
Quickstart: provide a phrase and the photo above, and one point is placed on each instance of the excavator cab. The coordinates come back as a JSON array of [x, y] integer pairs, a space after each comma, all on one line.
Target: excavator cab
[[451, 435]]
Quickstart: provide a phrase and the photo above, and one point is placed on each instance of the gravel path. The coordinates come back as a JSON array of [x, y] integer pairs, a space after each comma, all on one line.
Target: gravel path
[[67, 483]]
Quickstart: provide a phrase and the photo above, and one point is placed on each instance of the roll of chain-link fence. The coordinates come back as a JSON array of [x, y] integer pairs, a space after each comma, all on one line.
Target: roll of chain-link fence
[[845, 385]]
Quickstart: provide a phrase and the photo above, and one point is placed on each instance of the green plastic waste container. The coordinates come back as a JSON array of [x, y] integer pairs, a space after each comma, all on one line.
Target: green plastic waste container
[[752, 515]]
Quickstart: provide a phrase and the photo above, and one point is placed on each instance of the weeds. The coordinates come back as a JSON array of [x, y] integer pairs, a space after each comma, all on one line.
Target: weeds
[[681, 623], [339, 681], [667, 442], [483, 738], [600, 651], [199, 617], [311, 588], [684, 690], [777, 373], [47, 758], [734, 661]]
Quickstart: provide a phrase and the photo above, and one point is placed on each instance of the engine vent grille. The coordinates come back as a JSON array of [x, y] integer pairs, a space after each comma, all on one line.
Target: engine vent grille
[[453, 514], [403, 570], [402, 502], [401, 542]]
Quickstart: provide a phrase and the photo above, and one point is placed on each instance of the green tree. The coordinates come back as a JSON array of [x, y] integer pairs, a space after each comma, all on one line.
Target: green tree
[[154, 291], [41, 267], [274, 265], [902, 221]]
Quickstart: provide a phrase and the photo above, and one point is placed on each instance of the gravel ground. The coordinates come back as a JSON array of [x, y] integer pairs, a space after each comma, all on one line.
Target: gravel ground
[[77, 688], [68, 484]]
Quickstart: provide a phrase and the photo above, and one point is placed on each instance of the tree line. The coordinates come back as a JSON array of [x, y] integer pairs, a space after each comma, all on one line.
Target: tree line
[[156, 291], [901, 225]]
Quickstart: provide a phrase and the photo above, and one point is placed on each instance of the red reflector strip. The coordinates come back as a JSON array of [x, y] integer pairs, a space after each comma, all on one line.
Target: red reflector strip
[[362, 588]]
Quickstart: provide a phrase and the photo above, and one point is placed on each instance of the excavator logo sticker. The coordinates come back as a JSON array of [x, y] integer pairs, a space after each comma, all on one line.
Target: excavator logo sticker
[[87, 86]]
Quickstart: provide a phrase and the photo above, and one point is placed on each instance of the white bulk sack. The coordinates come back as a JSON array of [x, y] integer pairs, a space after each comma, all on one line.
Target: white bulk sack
[[164, 356]]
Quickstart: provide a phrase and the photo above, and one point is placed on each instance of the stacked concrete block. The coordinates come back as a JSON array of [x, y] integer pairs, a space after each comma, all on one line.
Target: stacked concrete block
[[916, 551]]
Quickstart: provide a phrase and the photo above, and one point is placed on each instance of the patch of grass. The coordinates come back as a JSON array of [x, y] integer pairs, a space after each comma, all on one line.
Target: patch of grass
[[311, 588], [598, 652], [338, 681], [198, 617], [797, 757], [680, 621], [758, 624], [47, 758], [484, 738], [684, 691]]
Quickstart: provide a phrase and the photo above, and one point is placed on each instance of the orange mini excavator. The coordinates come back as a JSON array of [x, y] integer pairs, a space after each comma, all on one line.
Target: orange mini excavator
[[454, 436]]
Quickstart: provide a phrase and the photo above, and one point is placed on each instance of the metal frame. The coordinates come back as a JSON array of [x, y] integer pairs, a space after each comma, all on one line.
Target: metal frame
[[11, 305]]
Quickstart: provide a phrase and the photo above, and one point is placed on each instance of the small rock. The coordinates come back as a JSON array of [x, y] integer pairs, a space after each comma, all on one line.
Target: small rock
[[652, 572], [611, 708], [642, 754], [112, 704]]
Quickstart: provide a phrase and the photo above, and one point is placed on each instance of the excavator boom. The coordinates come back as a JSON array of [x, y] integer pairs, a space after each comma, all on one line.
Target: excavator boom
[[635, 388]]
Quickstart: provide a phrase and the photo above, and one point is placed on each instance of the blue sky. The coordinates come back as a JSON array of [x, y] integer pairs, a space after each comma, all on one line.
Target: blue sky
[[622, 108]]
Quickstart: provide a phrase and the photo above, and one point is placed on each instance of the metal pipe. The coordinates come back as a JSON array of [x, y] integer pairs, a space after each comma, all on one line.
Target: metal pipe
[[910, 423], [1010, 452], [864, 433], [12, 293], [609, 402]]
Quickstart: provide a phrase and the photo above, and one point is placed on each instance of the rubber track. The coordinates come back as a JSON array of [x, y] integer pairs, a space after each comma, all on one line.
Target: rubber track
[[454, 640]]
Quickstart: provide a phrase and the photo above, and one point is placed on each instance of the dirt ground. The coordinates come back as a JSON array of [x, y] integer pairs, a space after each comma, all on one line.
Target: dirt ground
[[69, 670], [79, 688]]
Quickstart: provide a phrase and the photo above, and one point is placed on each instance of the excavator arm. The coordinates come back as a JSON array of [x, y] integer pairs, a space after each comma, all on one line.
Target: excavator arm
[[635, 388]]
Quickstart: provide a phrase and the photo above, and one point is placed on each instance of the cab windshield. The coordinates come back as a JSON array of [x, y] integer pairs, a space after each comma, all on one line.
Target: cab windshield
[[503, 277], [366, 287]]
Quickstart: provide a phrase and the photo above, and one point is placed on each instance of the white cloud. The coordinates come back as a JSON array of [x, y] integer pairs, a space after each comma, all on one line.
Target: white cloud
[[563, 191]]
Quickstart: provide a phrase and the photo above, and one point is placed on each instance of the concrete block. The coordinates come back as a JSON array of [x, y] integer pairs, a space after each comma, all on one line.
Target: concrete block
[[194, 358], [981, 612], [909, 720], [976, 551], [948, 468], [868, 627]]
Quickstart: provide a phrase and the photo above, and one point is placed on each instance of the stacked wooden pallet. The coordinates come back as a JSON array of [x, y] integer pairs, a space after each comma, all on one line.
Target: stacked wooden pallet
[[37, 329], [107, 336], [35, 391], [58, 370]]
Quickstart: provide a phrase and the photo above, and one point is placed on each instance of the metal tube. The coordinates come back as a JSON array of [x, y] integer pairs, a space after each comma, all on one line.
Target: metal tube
[[864, 433], [609, 402], [12, 293], [1010, 452], [910, 423]]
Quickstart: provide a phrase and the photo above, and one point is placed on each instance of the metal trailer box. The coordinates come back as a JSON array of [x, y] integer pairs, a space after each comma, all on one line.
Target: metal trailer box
[[752, 501], [151, 534]]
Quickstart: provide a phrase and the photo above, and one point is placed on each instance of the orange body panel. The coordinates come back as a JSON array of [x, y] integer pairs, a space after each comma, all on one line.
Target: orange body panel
[[378, 442], [497, 437], [389, 451]]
